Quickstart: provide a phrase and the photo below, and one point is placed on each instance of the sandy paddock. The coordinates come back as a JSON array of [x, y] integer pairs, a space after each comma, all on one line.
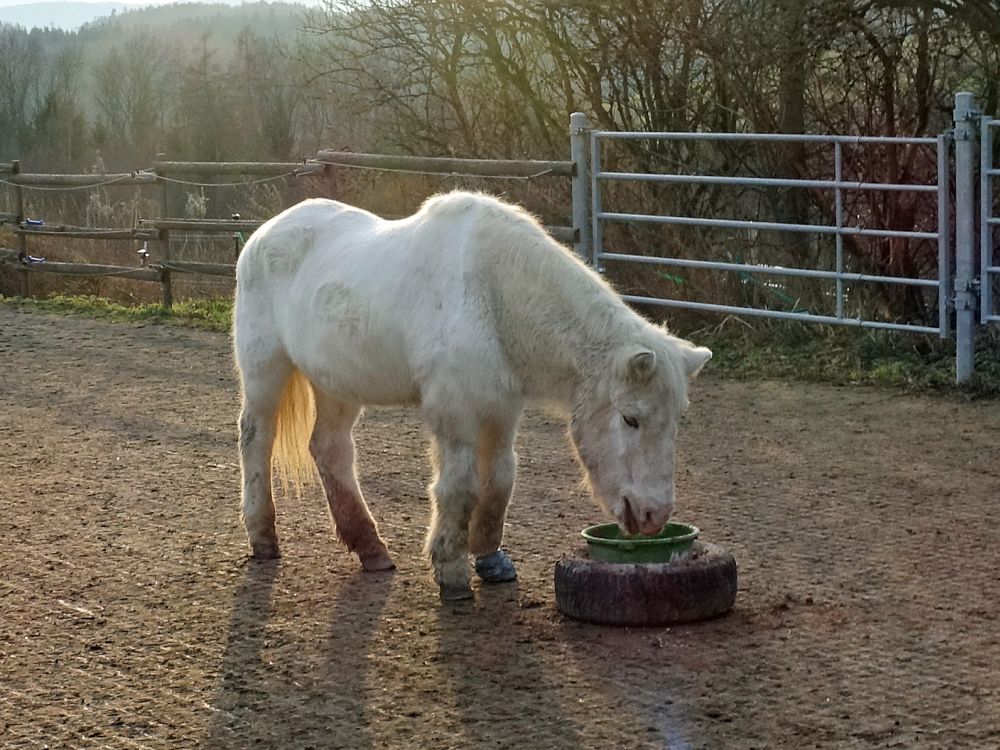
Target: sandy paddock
[[864, 522]]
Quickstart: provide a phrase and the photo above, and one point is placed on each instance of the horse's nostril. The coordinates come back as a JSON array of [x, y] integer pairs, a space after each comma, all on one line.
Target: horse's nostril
[[631, 523], [649, 516]]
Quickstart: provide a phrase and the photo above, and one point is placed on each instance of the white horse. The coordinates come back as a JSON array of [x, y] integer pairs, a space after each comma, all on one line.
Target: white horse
[[467, 309]]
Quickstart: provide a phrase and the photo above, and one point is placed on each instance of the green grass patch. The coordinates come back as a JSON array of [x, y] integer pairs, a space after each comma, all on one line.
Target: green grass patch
[[845, 356], [208, 314]]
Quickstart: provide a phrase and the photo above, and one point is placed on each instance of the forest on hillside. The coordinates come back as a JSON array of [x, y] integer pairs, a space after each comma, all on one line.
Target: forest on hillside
[[499, 79], [195, 81], [481, 77]]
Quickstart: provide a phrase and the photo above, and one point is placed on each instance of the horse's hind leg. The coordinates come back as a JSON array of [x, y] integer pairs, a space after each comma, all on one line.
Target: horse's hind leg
[[333, 449], [497, 468], [262, 390]]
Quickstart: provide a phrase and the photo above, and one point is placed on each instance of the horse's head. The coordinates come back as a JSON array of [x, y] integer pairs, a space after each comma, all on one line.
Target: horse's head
[[624, 425]]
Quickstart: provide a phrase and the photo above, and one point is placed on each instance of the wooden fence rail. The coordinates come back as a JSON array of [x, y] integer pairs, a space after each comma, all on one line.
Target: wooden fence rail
[[523, 168], [88, 233], [207, 226], [205, 269], [150, 273], [82, 180], [250, 168], [161, 269]]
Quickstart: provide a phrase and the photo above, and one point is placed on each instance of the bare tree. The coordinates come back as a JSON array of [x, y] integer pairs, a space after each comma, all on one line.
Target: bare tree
[[128, 96], [21, 61], [204, 108], [270, 94], [60, 132]]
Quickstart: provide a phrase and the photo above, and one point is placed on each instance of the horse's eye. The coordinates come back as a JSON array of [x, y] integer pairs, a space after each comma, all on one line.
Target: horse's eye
[[631, 422]]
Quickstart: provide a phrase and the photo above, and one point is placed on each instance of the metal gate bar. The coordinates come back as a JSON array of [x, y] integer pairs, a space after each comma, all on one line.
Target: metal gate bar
[[838, 184], [987, 221], [762, 313], [770, 270], [944, 236], [761, 225]]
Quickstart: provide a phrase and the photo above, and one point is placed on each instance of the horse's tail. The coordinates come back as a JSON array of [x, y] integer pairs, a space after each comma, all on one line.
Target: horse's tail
[[295, 419]]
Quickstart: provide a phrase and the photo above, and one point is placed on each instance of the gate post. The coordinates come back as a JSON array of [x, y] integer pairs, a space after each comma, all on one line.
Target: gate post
[[965, 278], [579, 152]]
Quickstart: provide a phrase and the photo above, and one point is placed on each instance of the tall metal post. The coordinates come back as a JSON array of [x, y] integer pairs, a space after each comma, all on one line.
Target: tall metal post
[[579, 154], [965, 115]]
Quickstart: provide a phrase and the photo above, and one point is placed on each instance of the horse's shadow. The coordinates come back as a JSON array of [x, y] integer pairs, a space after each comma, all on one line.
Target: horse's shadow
[[504, 693], [245, 639], [493, 682], [257, 704]]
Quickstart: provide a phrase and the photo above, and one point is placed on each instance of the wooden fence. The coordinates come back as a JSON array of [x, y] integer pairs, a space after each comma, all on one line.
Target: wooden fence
[[161, 268]]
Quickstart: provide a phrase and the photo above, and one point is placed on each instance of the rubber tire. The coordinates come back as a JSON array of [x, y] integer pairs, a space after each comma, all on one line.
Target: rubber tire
[[647, 594]]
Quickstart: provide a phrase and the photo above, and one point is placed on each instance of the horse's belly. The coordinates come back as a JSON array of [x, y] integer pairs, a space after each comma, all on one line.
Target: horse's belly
[[368, 385], [355, 360]]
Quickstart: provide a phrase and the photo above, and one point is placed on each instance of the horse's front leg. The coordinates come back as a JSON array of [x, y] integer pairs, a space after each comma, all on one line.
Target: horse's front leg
[[453, 495], [497, 469]]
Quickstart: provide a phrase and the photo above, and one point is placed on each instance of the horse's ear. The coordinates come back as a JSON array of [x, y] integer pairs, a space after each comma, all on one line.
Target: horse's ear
[[640, 366], [695, 358]]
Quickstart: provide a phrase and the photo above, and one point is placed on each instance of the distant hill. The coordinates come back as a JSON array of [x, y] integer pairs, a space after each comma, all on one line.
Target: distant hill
[[187, 24], [185, 29], [205, 80], [57, 15], [71, 16], [178, 25]]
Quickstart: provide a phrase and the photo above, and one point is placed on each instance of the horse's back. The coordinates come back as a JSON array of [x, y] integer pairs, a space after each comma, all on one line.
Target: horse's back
[[282, 243], [389, 311]]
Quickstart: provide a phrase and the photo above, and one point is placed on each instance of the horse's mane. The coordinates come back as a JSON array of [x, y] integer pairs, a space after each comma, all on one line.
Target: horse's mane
[[571, 300], [527, 246]]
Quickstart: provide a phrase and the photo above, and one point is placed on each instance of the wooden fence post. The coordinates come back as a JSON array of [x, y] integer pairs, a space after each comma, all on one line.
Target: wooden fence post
[[22, 241], [166, 289]]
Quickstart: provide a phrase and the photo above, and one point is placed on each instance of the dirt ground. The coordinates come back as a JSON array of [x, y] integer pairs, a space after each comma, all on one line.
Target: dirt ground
[[864, 523]]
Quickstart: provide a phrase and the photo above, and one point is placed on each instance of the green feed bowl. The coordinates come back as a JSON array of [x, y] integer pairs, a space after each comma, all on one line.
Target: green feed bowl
[[607, 543]]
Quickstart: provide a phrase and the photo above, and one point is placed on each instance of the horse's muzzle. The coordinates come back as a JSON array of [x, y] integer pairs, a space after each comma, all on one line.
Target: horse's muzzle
[[634, 520]]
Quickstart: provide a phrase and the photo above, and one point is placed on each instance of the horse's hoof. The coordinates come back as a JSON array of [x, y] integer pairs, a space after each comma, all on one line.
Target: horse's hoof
[[376, 563], [455, 593], [266, 551], [496, 567]]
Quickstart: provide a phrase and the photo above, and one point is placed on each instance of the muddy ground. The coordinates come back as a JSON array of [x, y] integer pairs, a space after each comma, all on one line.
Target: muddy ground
[[864, 522]]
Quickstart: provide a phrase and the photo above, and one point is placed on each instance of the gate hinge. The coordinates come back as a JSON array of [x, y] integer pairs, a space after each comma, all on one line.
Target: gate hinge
[[966, 295], [961, 134]]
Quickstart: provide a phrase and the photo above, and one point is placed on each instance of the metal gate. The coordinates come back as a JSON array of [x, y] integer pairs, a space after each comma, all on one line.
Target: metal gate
[[960, 285], [989, 222], [841, 228]]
